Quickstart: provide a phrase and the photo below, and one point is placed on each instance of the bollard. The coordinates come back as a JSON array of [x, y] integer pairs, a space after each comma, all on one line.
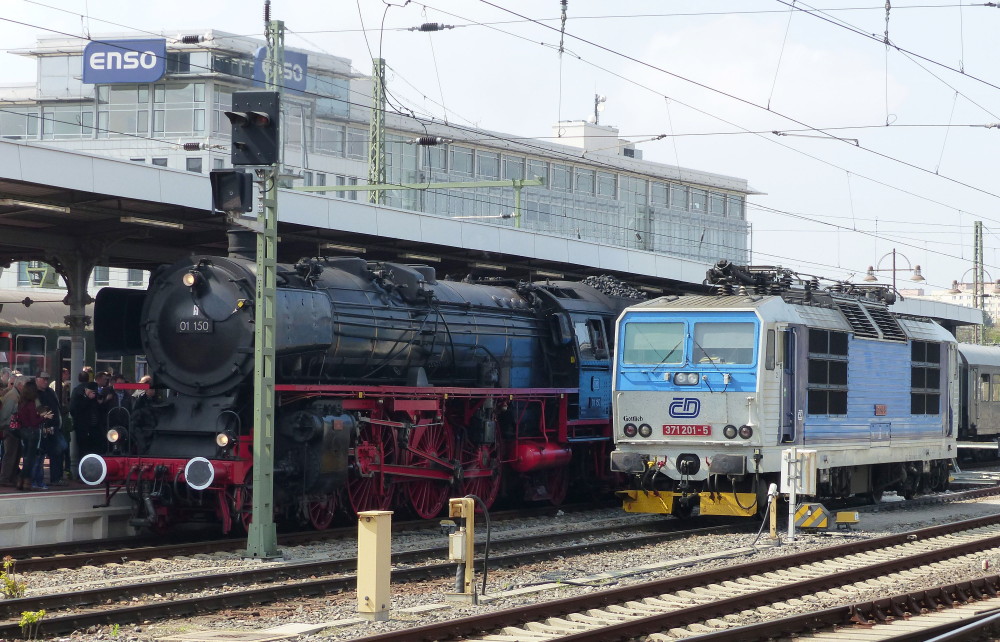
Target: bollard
[[462, 549], [772, 497], [374, 564]]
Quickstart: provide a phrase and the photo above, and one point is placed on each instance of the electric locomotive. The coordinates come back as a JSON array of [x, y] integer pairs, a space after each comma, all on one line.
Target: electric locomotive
[[395, 389], [709, 390]]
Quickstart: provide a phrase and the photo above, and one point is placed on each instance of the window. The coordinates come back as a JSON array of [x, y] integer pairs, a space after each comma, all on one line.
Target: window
[[193, 164], [653, 343], [925, 378], [590, 339], [561, 177], [607, 185], [827, 380], [460, 159], [538, 169], [101, 275], [585, 181], [488, 165], [5, 353], [679, 197], [984, 387], [716, 204], [995, 392], [513, 167], [357, 143], [218, 163], [23, 279], [30, 354], [160, 162], [109, 364], [658, 194], [135, 277], [734, 208], [699, 200], [320, 179], [724, 342]]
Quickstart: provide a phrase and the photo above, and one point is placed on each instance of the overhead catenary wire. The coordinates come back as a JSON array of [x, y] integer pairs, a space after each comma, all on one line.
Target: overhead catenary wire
[[501, 139]]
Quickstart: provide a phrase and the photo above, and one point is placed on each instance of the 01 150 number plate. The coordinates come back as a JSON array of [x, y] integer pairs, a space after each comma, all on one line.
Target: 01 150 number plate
[[194, 326], [687, 431]]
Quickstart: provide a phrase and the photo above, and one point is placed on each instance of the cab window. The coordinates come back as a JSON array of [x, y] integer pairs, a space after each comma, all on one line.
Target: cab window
[[724, 342], [590, 339], [653, 343]]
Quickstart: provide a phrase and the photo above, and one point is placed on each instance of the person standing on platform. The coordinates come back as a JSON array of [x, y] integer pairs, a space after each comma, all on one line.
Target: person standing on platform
[[85, 411], [31, 422], [53, 440], [12, 438]]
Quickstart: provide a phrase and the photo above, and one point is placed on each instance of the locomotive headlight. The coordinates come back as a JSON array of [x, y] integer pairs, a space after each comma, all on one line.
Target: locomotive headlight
[[645, 430], [193, 279], [686, 379], [729, 431], [746, 431], [113, 436], [222, 440], [630, 430]]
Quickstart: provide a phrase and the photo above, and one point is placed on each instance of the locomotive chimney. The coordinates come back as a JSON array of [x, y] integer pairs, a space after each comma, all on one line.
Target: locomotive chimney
[[242, 244]]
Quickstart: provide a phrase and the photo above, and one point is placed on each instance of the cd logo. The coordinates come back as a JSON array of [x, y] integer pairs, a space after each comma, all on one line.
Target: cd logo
[[685, 407]]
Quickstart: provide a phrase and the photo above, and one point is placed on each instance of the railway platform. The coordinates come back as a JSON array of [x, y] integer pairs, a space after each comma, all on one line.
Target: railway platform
[[60, 514]]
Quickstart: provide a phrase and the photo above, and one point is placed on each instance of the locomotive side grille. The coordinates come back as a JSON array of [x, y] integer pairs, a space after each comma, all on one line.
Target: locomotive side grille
[[859, 321], [886, 323]]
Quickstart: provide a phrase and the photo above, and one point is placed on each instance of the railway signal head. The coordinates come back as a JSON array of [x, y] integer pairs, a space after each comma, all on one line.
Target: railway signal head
[[254, 119]]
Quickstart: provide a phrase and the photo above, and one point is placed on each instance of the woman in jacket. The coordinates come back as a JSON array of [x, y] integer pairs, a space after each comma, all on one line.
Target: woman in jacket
[[29, 421]]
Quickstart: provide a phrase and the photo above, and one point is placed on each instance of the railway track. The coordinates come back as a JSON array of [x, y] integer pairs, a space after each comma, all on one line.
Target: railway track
[[700, 602], [272, 582], [49, 557]]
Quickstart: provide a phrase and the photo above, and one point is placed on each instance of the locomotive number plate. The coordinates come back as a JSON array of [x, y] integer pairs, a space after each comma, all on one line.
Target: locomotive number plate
[[687, 430], [194, 326]]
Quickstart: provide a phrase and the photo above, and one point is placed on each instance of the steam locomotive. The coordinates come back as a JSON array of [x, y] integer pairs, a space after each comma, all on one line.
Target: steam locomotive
[[395, 390]]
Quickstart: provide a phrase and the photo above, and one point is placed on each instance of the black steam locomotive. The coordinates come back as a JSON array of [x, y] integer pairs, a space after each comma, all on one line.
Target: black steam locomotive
[[394, 389]]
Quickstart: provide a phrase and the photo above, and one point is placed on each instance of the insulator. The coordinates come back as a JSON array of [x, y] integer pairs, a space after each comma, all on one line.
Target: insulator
[[267, 11], [429, 140]]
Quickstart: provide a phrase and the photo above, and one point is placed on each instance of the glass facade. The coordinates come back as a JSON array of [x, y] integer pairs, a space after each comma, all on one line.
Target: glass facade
[[582, 198]]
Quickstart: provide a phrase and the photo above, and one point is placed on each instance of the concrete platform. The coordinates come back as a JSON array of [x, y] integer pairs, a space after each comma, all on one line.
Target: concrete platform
[[61, 514]]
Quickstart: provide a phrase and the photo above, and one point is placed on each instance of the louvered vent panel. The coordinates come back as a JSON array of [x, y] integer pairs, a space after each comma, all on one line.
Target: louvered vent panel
[[858, 319], [886, 323]]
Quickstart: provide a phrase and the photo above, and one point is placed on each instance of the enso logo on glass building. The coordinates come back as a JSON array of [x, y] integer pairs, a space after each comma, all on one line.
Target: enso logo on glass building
[[118, 61]]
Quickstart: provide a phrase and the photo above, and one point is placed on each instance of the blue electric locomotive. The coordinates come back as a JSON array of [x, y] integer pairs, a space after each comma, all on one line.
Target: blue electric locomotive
[[709, 390]]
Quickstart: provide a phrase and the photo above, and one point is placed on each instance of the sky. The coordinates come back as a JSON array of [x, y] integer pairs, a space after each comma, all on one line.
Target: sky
[[857, 147]]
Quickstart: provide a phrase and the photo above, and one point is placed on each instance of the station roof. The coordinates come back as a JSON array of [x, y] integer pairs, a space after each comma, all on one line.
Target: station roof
[[56, 203], [135, 215]]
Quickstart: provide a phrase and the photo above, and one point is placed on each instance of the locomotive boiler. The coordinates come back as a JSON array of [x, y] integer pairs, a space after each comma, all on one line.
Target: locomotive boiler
[[394, 389]]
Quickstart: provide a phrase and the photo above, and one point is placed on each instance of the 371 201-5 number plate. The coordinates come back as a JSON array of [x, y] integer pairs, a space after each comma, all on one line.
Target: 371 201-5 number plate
[[687, 430], [194, 326]]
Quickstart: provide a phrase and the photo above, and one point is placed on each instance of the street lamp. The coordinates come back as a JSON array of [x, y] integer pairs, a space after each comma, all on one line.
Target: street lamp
[[872, 269], [978, 295]]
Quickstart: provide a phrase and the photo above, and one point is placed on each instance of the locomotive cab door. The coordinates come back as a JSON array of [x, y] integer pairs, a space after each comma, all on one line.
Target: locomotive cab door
[[792, 412], [595, 367]]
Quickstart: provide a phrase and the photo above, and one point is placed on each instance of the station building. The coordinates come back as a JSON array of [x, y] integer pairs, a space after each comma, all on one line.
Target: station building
[[597, 187]]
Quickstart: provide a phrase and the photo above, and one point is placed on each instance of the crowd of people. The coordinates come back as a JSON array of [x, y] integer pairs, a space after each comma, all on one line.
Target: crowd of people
[[36, 424]]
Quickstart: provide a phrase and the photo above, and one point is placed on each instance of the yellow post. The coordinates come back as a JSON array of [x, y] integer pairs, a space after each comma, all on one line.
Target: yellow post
[[374, 563], [462, 547]]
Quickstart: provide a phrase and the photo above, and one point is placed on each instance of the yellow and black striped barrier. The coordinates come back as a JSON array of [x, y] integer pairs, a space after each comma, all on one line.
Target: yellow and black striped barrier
[[812, 516]]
